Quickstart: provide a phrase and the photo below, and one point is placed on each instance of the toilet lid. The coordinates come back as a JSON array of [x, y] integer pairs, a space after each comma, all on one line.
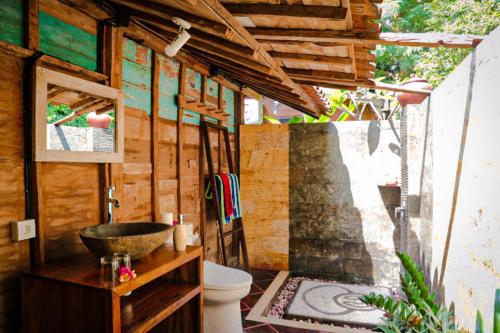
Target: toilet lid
[[219, 277]]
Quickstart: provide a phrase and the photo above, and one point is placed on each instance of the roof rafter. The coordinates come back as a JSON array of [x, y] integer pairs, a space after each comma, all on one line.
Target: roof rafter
[[217, 9], [430, 39], [169, 13], [311, 57], [295, 10], [299, 72]]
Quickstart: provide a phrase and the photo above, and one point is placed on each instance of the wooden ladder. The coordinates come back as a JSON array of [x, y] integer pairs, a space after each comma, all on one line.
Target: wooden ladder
[[237, 231]]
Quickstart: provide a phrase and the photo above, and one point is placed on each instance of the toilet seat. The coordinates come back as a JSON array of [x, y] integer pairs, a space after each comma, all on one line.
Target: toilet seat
[[218, 277]]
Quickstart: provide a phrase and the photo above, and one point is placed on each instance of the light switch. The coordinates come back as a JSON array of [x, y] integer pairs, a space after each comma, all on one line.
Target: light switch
[[22, 230]]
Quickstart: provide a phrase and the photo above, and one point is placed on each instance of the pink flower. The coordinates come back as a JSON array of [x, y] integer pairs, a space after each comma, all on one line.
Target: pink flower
[[126, 274]]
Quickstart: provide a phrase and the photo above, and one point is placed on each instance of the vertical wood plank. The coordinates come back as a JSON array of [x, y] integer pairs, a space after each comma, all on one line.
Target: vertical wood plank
[[38, 252], [105, 66], [220, 106], [180, 138], [155, 177], [239, 106], [116, 169], [32, 39], [201, 164]]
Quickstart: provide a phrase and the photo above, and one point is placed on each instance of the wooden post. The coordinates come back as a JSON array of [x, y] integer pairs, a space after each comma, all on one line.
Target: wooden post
[[201, 161], [155, 176], [116, 169], [180, 138], [220, 106], [105, 66], [31, 41], [239, 110]]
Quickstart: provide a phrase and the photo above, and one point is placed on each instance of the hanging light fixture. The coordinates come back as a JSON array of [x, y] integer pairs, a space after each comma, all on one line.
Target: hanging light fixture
[[181, 39]]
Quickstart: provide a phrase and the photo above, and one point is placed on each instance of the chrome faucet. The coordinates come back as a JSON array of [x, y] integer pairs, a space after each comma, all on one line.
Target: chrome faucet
[[112, 202]]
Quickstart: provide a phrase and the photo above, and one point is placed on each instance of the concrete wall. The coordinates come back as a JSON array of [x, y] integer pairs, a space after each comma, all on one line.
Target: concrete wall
[[80, 138], [341, 219], [462, 120]]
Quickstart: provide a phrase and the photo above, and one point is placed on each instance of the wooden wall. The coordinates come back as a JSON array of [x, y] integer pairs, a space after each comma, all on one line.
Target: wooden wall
[[264, 194], [69, 196], [15, 255]]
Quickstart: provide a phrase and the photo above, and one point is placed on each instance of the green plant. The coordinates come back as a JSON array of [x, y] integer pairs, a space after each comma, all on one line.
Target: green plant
[[417, 311], [496, 316]]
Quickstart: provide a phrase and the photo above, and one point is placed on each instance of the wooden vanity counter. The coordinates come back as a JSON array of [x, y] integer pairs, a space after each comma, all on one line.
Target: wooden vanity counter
[[167, 295]]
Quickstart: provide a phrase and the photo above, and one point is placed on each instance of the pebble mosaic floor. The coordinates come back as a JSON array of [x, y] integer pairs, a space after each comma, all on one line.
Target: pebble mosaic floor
[[314, 301], [335, 302]]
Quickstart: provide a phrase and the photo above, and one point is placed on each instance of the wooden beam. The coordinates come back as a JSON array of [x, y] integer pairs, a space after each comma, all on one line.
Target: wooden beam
[[18, 51], [231, 55], [245, 77], [430, 39], [326, 85], [54, 63], [311, 58], [89, 7], [295, 10], [296, 72], [169, 13], [337, 36], [280, 99], [155, 159], [161, 24], [224, 63], [362, 84], [217, 9]]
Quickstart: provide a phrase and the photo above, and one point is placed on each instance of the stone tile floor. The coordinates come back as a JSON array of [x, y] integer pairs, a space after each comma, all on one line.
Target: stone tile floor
[[261, 280]]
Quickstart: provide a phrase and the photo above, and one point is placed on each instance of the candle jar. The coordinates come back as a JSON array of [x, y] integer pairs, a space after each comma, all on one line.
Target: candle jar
[[109, 269], [124, 260]]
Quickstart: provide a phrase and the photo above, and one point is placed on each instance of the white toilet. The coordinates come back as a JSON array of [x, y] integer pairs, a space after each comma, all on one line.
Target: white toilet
[[224, 288]]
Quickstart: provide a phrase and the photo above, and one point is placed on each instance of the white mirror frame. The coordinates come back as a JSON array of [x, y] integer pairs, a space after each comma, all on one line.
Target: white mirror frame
[[44, 77]]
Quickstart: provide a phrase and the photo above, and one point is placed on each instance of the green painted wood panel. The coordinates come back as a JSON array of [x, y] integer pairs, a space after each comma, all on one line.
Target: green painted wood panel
[[168, 88], [212, 88], [67, 42], [11, 21], [193, 85], [136, 75], [229, 107]]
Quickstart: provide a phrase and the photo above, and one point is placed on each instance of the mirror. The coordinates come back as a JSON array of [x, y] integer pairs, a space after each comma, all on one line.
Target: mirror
[[77, 120]]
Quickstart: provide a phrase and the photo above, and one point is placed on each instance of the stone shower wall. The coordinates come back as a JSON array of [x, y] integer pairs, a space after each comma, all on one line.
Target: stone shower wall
[[342, 221]]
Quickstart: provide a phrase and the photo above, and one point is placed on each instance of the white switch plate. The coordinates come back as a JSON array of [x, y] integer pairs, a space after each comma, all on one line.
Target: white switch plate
[[22, 230]]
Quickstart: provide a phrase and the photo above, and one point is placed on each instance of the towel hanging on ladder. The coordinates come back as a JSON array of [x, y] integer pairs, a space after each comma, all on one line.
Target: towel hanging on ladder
[[228, 190]]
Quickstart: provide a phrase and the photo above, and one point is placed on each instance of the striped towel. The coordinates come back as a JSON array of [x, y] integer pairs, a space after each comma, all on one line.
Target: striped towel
[[235, 193], [227, 215]]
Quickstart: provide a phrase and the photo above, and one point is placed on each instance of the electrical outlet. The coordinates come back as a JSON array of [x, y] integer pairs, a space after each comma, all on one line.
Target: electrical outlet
[[22, 230]]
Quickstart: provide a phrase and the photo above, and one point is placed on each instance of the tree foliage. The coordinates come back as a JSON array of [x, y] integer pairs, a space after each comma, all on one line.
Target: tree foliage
[[56, 112], [396, 63]]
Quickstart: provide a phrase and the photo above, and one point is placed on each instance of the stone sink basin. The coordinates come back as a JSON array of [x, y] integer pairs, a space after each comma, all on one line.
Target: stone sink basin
[[139, 239]]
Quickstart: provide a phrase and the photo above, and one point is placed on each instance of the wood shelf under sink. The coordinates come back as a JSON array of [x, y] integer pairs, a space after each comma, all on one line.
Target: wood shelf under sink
[[151, 304], [167, 295]]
